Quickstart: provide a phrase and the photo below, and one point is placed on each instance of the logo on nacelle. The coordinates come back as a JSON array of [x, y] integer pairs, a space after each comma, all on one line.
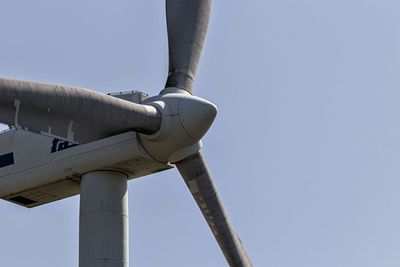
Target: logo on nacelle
[[59, 145]]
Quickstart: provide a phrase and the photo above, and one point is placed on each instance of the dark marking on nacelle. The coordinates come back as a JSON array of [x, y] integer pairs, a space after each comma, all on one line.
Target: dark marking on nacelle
[[59, 145], [6, 159]]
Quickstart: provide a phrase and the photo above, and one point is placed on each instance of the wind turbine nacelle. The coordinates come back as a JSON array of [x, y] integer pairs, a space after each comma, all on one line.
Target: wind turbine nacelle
[[37, 168]]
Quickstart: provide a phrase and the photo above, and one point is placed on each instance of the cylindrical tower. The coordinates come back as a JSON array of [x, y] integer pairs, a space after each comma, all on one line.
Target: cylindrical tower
[[103, 222]]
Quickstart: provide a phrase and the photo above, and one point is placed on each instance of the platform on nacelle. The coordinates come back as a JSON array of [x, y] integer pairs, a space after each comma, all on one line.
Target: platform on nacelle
[[36, 169]]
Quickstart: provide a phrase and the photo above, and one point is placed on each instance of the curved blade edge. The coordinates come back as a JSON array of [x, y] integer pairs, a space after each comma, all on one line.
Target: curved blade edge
[[200, 183], [74, 113]]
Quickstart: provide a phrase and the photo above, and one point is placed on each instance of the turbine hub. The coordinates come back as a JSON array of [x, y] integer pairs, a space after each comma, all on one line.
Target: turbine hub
[[185, 120]]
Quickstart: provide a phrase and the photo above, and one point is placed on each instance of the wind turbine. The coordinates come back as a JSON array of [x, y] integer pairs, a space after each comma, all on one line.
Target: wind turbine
[[67, 140]]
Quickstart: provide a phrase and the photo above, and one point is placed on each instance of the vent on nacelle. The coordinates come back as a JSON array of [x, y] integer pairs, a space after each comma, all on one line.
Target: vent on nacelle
[[22, 200]]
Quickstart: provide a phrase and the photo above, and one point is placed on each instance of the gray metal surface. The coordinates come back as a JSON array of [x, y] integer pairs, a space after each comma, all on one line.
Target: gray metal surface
[[185, 120], [73, 113], [103, 222], [187, 22], [51, 169], [198, 178]]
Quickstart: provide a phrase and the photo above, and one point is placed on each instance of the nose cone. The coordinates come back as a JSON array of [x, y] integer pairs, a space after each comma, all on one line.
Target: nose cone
[[196, 115]]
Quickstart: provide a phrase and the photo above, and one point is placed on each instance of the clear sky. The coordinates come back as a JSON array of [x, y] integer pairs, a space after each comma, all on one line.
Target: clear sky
[[305, 150]]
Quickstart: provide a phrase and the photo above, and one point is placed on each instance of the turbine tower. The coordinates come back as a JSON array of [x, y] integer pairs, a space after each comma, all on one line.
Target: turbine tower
[[66, 141]]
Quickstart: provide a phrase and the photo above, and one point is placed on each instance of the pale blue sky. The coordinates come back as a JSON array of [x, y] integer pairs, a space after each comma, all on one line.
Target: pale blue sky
[[305, 150]]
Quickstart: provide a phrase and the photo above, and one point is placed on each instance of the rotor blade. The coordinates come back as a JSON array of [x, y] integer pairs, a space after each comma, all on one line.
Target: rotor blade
[[74, 113], [198, 178], [187, 22]]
